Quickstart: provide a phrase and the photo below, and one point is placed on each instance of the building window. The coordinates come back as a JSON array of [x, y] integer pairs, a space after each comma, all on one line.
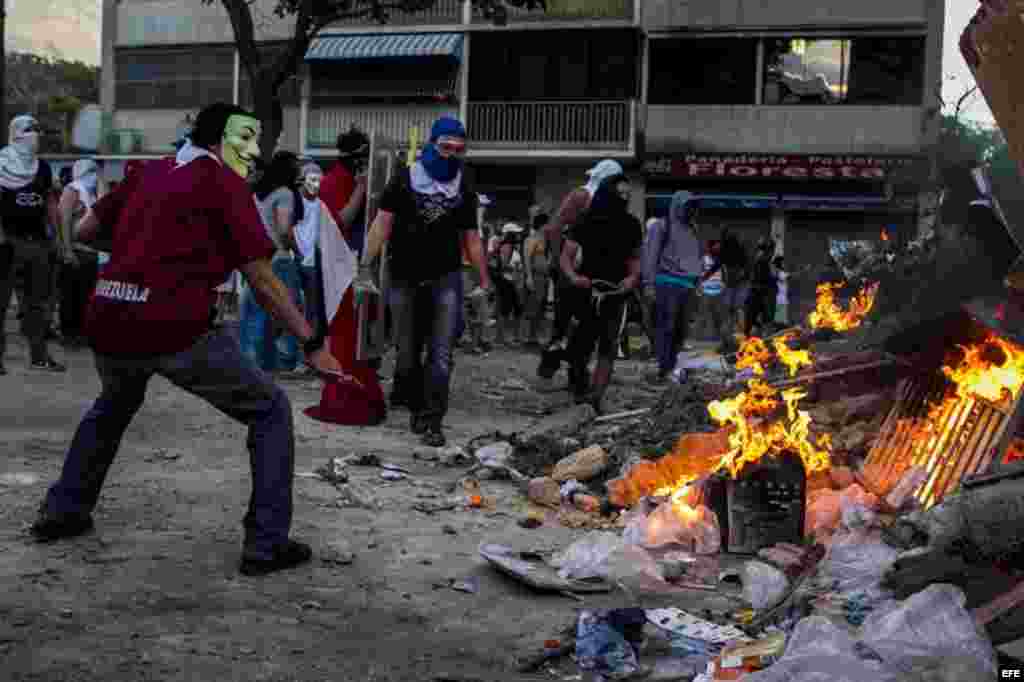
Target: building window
[[703, 71], [173, 78], [868, 70], [566, 65]]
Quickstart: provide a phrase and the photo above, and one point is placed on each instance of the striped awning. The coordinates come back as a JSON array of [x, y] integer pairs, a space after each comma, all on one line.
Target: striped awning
[[372, 47]]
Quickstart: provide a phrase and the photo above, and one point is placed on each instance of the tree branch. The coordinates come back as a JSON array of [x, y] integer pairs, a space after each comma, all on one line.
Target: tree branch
[[963, 98], [245, 35]]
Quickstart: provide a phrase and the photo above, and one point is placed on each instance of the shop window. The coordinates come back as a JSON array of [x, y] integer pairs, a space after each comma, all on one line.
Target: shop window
[[868, 70], [703, 71]]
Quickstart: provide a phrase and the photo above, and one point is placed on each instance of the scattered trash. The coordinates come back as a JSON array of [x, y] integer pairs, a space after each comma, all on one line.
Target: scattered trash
[[913, 479], [449, 529], [470, 585], [389, 475], [696, 529], [544, 491], [333, 471], [582, 465], [530, 568], [530, 522], [366, 459], [455, 457], [603, 641], [764, 586]]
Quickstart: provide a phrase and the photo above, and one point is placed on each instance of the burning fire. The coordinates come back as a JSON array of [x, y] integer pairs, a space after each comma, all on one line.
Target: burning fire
[[753, 354], [792, 359], [992, 370], [828, 314], [755, 434], [752, 429]]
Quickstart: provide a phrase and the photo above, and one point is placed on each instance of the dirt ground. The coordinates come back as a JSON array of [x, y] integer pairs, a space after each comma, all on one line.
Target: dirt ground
[[154, 592]]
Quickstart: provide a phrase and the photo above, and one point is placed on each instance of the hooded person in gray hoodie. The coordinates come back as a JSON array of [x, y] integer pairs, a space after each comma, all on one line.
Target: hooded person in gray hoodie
[[672, 272]]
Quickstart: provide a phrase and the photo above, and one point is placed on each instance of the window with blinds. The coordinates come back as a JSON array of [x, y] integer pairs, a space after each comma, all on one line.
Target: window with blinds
[[173, 78]]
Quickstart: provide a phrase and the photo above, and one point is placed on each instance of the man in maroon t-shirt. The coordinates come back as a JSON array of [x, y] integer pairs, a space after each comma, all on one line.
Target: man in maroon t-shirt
[[177, 229]]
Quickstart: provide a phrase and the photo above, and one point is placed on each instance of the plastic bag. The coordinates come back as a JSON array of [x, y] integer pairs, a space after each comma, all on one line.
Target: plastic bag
[[856, 562], [601, 644], [602, 554], [664, 527], [823, 512], [857, 507], [932, 624], [764, 586]]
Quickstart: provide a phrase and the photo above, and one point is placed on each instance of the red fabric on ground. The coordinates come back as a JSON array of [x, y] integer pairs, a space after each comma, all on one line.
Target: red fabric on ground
[[358, 401]]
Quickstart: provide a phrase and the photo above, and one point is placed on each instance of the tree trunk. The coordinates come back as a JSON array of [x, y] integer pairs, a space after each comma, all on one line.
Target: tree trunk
[[268, 110]]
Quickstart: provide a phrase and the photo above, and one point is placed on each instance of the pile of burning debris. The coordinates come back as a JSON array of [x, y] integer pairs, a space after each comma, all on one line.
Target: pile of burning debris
[[810, 486]]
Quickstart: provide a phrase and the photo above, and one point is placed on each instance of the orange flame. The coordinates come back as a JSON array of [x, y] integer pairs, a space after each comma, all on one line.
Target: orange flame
[[753, 432], [751, 439], [792, 359], [991, 370], [828, 314], [753, 354]]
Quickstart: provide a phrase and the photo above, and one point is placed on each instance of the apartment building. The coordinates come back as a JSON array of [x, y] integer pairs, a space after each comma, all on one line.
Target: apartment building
[[806, 121], [543, 96]]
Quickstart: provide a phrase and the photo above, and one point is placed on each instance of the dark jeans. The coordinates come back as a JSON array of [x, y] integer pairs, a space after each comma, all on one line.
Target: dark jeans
[[213, 369], [76, 284], [310, 293], [566, 303], [426, 317], [32, 259], [671, 305], [598, 327], [760, 310]]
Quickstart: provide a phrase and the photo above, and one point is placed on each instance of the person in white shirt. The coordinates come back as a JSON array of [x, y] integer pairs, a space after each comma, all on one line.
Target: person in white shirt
[[307, 237]]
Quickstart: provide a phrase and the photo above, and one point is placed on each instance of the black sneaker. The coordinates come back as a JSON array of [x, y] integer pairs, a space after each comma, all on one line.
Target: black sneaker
[[289, 555], [417, 425], [49, 528], [433, 437], [49, 365]]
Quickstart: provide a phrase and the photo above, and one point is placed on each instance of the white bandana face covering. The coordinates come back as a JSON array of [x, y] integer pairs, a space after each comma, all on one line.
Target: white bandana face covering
[[19, 162]]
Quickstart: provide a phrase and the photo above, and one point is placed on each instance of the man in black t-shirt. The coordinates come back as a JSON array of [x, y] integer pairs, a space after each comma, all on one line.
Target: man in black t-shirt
[[427, 216], [610, 238], [27, 205]]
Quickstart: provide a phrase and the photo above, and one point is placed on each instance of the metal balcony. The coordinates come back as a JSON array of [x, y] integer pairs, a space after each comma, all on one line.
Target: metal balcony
[[395, 122], [545, 127], [443, 12]]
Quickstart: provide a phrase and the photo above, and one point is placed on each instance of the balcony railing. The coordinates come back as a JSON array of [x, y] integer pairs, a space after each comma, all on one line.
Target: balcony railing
[[570, 10], [394, 122], [443, 12], [552, 125]]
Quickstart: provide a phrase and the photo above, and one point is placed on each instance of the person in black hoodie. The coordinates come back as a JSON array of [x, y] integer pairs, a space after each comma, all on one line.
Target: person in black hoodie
[[610, 238], [760, 308]]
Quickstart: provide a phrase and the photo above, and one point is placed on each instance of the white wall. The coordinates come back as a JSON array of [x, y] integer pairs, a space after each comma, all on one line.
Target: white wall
[[834, 129]]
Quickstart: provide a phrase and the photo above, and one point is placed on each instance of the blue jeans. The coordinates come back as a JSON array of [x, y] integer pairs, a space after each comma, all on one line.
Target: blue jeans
[[256, 328], [670, 313], [214, 369], [426, 317]]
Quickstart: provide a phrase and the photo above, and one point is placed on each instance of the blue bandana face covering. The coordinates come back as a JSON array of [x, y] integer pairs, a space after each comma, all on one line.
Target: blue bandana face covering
[[440, 168]]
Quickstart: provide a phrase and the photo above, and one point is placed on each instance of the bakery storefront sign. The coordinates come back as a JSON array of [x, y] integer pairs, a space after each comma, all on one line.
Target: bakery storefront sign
[[776, 167]]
